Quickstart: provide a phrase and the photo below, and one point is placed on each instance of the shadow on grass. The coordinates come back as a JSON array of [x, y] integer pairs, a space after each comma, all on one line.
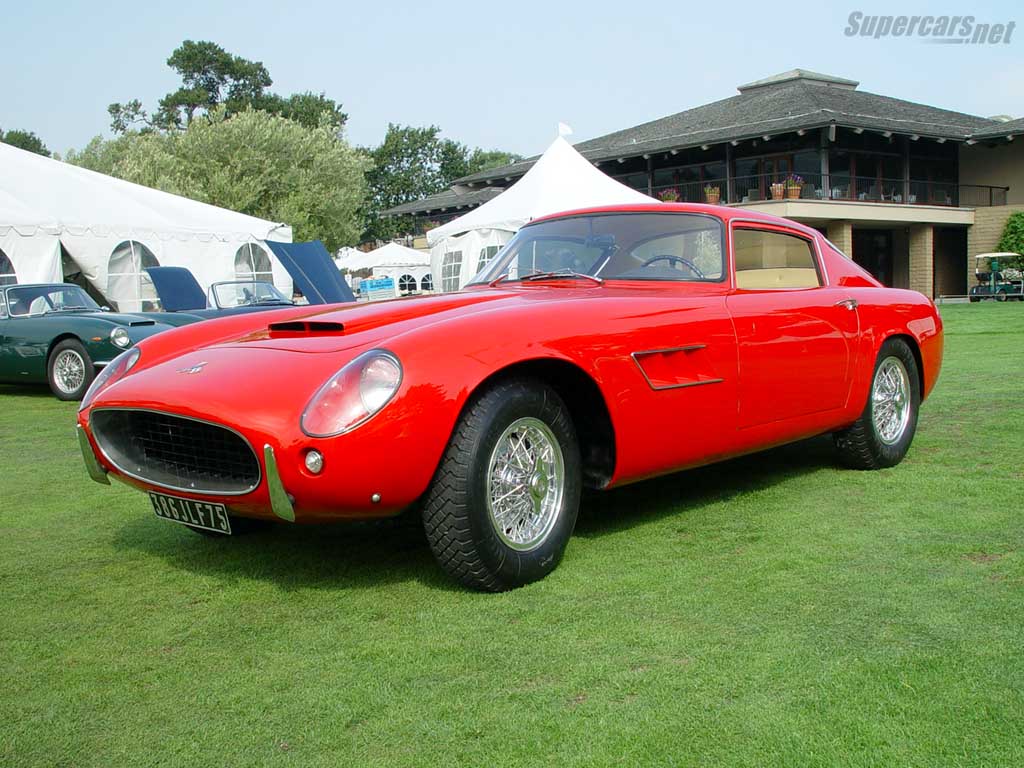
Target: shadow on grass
[[372, 554], [27, 390]]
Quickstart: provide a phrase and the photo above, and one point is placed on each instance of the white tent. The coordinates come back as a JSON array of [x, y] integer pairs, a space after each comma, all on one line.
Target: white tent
[[408, 268], [561, 180], [112, 229]]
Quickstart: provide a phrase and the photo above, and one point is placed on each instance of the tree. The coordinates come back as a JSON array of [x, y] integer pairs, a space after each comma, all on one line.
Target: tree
[[412, 163], [1013, 239], [25, 140], [211, 77], [252, 162]]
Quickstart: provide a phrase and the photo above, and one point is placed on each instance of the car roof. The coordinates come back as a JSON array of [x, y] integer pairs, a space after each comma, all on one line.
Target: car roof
[[995, 255], [726, 213]]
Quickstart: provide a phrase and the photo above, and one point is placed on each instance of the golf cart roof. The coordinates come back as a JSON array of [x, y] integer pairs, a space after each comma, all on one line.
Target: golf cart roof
[[996, 255]]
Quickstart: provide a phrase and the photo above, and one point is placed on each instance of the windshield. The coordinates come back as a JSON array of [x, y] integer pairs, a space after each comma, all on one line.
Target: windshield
[[619, 246], [245, 293], [43, 299]]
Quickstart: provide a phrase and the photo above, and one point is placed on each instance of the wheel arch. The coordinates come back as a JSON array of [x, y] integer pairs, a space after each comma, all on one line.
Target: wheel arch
[[66, 336], [915, 349], [587, 407]]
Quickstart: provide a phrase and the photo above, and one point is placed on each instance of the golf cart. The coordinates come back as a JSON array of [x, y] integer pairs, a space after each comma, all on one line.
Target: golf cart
[[1000, 277]]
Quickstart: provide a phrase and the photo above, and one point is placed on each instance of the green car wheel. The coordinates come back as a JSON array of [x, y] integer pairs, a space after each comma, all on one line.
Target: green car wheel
[[70, 370]]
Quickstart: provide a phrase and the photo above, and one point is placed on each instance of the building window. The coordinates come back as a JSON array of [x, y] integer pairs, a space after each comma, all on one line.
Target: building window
[[486, 254], [451, 270], [772, 260], [253, 263], [407, 284], [427, 283], [128, 285], [7, 274]]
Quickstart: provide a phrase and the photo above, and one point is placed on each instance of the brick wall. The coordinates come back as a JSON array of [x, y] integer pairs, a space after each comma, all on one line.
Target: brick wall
[[841, 235], [984, 236], [922, 251]]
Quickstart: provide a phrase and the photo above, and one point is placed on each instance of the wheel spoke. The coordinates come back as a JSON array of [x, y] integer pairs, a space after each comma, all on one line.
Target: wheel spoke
[[525, 481]]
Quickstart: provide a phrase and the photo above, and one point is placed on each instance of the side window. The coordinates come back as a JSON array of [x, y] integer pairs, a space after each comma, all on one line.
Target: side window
[[773, 260], [451, 270], [3, 305]]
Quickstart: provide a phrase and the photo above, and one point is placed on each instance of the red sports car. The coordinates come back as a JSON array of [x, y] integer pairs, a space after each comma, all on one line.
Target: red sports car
[[599, 347]]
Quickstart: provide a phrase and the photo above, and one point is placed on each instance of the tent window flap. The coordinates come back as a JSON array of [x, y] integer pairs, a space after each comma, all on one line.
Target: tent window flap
[[129, 286]]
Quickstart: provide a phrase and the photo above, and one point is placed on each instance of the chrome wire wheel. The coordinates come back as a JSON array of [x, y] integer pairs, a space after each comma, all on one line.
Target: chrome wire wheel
[[68, 371], [525, 484], [891, 400]]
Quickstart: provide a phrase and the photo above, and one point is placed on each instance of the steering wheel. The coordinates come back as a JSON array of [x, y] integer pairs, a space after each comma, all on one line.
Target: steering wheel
[[685, 262]]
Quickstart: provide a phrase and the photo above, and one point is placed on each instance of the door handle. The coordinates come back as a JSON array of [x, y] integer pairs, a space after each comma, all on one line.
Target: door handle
[[850, 304]]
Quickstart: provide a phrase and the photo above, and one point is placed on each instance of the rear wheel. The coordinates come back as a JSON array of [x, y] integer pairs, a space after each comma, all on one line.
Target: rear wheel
[[70, 370], [505, 498], [882, 435]]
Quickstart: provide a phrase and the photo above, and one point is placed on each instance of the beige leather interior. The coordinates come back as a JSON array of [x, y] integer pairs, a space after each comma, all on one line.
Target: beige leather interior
[[779, 277]]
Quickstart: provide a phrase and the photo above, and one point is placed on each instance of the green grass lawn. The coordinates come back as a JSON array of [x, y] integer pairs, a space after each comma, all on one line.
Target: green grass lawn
[[773, 610]]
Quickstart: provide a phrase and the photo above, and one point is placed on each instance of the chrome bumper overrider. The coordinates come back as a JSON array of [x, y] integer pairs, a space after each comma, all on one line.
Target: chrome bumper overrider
[[92, 466], [280, 502]]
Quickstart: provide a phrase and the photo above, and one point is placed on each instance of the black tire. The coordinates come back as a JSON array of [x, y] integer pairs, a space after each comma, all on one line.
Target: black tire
[[861, 446], [974, 299], [239, 527], [456, 511], [1001, 296], [70, 350]]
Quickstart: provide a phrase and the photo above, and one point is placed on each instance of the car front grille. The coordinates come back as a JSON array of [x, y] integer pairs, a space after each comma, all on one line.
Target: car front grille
[[176, 452]]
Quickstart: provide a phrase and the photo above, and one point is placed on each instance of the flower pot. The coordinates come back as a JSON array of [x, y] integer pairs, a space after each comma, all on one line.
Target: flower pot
[[712, 195], [793, 193], [778, 191]]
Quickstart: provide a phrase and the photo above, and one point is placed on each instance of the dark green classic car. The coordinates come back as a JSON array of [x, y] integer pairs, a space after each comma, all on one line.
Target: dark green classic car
[[56, 334]]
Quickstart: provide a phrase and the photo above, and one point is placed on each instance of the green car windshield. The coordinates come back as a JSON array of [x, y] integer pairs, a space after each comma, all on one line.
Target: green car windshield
[[24, 301]]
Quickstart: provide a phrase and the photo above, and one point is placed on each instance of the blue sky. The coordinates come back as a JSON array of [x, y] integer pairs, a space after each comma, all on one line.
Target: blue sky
[[491, 74]]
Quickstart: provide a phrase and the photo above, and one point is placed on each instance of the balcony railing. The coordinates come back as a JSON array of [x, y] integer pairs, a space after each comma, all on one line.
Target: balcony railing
[[867, 189]]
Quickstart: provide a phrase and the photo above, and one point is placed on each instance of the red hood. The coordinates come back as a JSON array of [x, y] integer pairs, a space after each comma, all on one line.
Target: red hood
[[351, 325]]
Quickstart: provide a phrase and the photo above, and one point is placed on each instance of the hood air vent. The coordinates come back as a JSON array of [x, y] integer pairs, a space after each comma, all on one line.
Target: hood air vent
[[293, 328]]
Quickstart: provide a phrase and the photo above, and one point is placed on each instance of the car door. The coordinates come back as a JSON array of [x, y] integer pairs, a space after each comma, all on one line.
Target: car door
[[795, 333]]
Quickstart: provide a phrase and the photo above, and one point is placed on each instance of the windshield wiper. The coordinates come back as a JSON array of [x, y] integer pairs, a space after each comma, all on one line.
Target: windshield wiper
[[563, 273]]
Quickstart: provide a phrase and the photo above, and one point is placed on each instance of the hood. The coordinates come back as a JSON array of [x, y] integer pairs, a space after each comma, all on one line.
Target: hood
[[313, 271], [177, 288], [347, 326], [123, 319]]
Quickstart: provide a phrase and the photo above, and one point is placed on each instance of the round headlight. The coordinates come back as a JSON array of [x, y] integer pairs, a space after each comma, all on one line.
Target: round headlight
[[119, 338], [117, 368], [353, 395]]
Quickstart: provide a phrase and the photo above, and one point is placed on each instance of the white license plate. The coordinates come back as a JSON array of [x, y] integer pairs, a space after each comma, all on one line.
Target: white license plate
[[209, 516]]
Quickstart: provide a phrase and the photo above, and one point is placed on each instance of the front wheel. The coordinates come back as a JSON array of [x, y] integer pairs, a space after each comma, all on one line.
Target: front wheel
[[882, 435], [504, 501], [70, 370]]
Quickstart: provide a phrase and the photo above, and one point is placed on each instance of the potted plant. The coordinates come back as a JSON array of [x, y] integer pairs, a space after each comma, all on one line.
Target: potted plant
[[712, 194], [670, 195], [778, 190], [793, 185]]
